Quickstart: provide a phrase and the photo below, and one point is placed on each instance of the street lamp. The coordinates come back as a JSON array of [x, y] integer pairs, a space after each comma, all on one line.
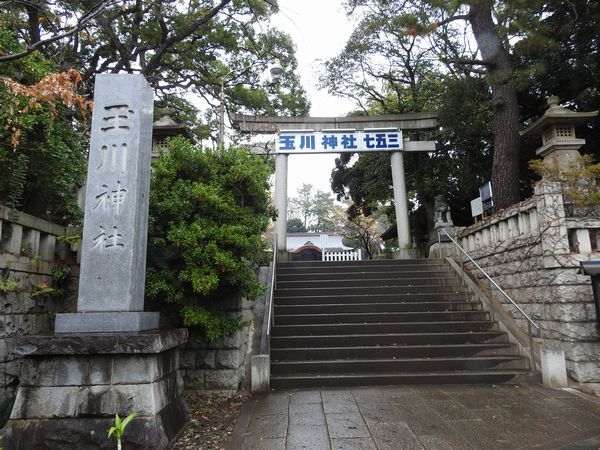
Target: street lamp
[[276, 71]]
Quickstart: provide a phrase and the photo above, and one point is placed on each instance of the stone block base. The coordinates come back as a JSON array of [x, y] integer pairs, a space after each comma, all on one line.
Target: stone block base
[[554, 370], [144, 432], [73, 385], [106, 322], [443, 250]]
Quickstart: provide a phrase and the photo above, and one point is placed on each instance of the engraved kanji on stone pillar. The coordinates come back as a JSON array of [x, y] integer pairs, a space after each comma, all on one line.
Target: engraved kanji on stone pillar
[[113, 247]]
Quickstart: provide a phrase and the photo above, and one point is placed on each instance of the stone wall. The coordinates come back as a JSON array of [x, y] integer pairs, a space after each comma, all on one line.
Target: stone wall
[[533, 250], [220, 365], [28, 254]]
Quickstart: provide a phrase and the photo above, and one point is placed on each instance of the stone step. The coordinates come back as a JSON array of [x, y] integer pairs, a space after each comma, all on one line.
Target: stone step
[[381, 317], [324, 308], [358, 266], [399, 365], [391, 351], [383, 328], [318, 298], [360, 282], [370, 290], [362, 274], [374, 339], [384, 322], [396, 378], [364, 262]]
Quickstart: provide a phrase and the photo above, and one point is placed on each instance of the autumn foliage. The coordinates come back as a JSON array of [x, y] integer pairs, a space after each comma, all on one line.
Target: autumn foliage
[[52, 90]]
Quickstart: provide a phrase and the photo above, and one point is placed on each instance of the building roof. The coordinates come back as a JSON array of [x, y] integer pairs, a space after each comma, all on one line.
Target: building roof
[[166, 126], [308, 246]]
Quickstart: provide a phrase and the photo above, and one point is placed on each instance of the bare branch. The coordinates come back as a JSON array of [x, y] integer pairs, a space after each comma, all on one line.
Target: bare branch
[[81, 23], [468, 62], [452, 19], [155, 60]]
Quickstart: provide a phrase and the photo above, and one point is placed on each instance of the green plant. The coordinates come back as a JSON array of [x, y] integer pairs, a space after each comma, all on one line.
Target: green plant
[[34, 262], [72, 238], [7, 285], [119, 427], [26, 250], [60, 276], [60, 284], [42, 289], [579, 179], [208, 210]]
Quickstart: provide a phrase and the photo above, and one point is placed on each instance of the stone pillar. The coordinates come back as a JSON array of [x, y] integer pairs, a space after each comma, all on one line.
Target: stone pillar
[[281, 168], [113, 256], [103, 360], [401, 204]]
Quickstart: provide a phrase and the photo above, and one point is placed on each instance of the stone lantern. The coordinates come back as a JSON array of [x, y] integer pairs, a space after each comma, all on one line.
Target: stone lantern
[[164, 128], [557, 128]]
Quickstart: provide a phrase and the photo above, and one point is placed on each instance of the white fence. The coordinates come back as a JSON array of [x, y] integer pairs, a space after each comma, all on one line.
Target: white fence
[[347, 255]]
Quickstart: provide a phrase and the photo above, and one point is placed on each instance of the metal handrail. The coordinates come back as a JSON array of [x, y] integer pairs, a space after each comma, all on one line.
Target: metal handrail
[[530, 322], [272, 290]]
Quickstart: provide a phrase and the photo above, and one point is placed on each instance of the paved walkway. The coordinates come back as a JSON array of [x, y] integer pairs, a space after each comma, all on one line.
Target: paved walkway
[[417, 417]]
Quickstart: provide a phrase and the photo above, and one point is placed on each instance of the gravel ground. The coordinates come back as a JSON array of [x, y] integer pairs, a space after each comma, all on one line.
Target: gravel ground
[[212, 420]]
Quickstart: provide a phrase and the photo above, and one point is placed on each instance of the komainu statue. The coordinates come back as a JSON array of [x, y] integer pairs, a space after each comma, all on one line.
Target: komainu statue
[[441, 211]]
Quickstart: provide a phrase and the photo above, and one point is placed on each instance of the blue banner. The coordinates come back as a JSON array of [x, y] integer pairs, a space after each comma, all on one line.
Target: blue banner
[[338, 141]]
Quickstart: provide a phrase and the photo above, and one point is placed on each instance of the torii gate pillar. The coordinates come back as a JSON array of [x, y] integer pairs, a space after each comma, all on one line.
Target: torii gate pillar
[[281, 169], [401, 204]]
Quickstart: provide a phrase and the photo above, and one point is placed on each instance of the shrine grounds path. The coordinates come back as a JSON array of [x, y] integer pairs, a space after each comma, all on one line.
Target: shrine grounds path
[[420, 417]]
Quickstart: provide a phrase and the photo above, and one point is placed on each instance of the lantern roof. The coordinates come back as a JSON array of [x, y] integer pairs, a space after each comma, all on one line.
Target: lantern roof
[[557, 115]]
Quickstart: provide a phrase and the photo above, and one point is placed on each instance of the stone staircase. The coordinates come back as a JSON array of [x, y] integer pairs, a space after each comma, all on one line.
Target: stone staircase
[[384, 322]]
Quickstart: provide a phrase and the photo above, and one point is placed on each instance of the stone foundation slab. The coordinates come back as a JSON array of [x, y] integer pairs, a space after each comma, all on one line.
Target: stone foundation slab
[[106, 322], [73, 385]]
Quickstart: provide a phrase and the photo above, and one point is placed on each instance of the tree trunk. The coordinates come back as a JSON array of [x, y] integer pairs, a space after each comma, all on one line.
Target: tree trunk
[[33, 22], [505, 168]]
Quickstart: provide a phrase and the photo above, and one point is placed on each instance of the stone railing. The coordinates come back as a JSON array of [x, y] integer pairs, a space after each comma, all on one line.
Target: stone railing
[[25, 235], [29, 252], [533, 251]]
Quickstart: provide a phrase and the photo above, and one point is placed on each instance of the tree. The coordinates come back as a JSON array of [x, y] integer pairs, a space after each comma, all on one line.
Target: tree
[[302, 204], [561, 58], [295, 225], [322, 211], [177, 47], [313, 210], [391, 71], [361, 231], [42, 136], [208, 209], [397, 30], [526, 51]]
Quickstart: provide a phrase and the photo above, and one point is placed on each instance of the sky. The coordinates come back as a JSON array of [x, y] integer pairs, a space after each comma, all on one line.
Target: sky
[[320, 30]]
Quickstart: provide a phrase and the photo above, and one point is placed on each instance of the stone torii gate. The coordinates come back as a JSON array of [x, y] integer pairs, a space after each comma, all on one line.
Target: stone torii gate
[[359, 134]]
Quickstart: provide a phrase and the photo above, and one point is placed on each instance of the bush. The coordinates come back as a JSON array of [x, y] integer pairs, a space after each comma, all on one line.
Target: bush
[[42, 135], [208, 209]]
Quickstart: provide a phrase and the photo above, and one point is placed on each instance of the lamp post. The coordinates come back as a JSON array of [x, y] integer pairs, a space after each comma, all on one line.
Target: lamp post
[[276, 71]]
